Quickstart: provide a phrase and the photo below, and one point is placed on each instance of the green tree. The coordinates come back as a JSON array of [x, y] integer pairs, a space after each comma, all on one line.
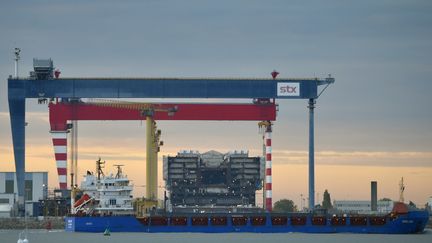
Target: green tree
[[284, 206], [326, 203], [385, 199]]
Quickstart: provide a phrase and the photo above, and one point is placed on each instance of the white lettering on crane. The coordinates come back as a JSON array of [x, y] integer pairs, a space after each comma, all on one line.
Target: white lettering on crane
[[288, 89]]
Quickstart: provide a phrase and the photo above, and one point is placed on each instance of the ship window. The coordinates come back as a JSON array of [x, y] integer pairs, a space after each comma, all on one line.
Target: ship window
[[112, 202], [4, 200]]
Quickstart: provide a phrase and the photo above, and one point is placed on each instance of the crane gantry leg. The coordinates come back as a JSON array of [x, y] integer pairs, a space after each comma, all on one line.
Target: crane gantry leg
[[151, 163], [152, 149], [59, 139], [311, 107], [267, 126], [74, 154]]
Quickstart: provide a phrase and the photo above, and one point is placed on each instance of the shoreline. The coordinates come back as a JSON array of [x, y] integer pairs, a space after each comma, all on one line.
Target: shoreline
[[32, 223]]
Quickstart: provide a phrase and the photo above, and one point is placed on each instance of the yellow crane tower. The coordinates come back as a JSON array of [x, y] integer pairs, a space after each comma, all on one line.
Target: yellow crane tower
[[153, 147], [401, 190]]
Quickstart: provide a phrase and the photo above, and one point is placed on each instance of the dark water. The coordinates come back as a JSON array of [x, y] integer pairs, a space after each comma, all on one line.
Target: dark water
[[42, 236]]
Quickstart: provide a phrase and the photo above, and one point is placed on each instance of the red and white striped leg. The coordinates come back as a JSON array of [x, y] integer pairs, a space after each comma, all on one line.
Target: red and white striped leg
[[268, 171], [60, 149]]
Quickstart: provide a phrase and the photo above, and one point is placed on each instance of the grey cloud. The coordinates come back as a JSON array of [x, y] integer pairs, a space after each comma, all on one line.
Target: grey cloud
[[379, 53]]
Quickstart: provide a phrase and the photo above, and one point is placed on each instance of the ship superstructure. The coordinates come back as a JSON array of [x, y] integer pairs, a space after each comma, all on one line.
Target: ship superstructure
[[104, 194]]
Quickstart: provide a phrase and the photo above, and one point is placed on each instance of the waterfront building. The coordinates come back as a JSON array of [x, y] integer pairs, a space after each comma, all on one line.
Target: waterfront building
[[35, 190]]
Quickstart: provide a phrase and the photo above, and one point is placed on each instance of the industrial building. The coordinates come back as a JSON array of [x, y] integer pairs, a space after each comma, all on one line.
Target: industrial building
[[35, 190], [362, 206], [212, 179]]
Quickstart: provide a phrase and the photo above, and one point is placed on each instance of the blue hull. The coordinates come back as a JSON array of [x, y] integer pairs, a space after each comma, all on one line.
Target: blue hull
[[413, 222]]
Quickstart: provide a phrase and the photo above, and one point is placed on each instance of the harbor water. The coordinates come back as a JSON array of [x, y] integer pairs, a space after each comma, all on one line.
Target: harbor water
[[43, 236]]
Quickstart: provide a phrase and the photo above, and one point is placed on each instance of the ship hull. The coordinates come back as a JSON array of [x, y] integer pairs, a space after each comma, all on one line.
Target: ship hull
[[412, 222]]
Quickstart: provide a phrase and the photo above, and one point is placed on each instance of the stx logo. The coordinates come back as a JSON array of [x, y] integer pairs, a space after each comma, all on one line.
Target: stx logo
[[288, 89]]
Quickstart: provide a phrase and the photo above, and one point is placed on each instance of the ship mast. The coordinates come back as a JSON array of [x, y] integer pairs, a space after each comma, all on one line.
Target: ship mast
[[99, 167], [119, 171]]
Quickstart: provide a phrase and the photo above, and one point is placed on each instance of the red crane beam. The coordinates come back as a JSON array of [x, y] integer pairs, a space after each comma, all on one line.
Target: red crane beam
[[60, 113]]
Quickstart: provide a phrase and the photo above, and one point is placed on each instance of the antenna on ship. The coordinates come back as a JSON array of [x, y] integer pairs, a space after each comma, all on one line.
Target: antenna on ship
[[99, 167], [119, 171]]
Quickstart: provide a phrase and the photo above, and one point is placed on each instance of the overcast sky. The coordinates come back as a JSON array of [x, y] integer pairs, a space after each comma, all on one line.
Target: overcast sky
[[377, 115]]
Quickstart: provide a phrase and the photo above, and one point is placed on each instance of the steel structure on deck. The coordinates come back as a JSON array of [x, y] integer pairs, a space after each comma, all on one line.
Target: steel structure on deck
[[218, 88]]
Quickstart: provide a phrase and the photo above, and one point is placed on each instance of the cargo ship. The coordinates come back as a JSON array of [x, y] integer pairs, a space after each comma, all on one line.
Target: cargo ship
[[105, 203], [407, 223]]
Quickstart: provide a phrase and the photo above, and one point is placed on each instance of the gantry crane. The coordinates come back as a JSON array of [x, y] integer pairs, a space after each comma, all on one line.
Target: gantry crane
[[44, 87], [97, 109]]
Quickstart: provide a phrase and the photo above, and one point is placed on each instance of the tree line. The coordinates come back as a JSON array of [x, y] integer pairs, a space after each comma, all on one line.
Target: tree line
[[287, 205]]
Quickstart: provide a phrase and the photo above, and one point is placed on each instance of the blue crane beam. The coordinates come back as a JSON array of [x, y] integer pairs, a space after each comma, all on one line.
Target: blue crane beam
[[165, 88], [21, 89]]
